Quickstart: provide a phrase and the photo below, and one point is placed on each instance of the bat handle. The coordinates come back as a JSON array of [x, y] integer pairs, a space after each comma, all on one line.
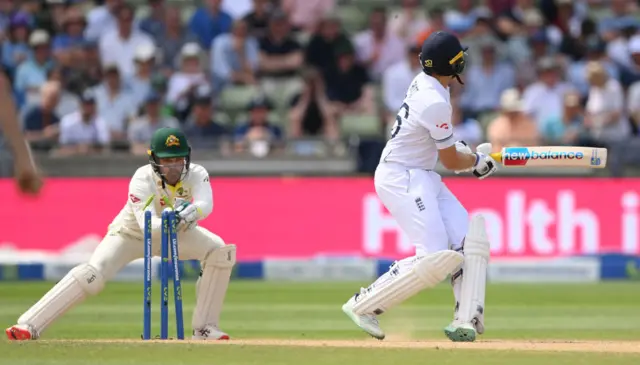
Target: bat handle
[[496, 156]]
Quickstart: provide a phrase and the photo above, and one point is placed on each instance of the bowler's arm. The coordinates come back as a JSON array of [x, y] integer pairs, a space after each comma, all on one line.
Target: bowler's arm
[[10, 126], [202, 193], [437, 119]]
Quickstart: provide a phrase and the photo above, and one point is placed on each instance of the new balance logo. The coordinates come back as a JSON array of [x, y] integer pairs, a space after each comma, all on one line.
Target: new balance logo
[[443, 126], [420, 204]]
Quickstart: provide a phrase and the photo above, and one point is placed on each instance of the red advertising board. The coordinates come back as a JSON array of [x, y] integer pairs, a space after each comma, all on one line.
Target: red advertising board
[[305, 217]]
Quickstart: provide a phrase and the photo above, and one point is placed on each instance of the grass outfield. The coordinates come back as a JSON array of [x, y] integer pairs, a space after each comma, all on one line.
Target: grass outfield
[[290, 323]]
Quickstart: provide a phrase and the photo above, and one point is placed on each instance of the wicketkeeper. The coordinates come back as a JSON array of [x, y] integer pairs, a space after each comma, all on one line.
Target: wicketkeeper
[[169, 175]]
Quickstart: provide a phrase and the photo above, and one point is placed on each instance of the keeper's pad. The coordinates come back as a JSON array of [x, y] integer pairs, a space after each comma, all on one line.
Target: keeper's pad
[[477, 251], [400, 285], [212, 284], [74, 287]]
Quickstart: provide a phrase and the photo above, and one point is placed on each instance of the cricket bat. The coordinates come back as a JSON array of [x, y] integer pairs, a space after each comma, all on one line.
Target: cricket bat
[[552, 156]]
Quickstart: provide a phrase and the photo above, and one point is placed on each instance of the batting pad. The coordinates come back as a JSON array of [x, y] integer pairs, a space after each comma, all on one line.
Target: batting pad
[[474, 270], [74, 287], [427, 272], [211, 287]]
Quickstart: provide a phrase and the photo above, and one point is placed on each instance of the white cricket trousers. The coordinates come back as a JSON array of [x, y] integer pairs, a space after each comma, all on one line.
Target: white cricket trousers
[[117, 250], [422, 205]]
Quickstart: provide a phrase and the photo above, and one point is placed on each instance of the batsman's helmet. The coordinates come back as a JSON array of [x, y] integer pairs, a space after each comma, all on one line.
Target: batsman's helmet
[[443, 55]]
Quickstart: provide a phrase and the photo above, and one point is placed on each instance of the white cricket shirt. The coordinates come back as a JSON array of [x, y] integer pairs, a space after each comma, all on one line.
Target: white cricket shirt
[[195, 188], [422, 126]]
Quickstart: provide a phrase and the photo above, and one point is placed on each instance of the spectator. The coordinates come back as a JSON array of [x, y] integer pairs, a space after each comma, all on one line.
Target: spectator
[[258, 19], [537, 46], [540, 45], [482, 31], [186, 80], [86, 72], [481, 28], [52, 16], [41, 121], [309, 113], [377, 48], [618, 52], [305, 14], [119, 45], [461, 19], [32, 73], [543, 99], [175, 36], [347, 85], [569, 129], [209, 21], [594, 51], [605, 106], [84, 131], [465, 129], [486, 80], [237, 8], [576, 46], [15, 49], [102, 19], [510, 21], [499, 6], [140, 83], [321, 49], [201, 129], [68, 102], [633, 99], [71, 38], [143, 127], [512, 127], [436, 23], [153, 24], [234, 56], [408, 21], [620, 16], [520, 41], [567, 17], [30, 9], [280, 55], [397, 79], [116, 104], [258, 134], [6, 10]]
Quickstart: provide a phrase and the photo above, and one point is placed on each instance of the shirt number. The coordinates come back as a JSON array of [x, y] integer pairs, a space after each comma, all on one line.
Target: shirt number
[[398, 124]]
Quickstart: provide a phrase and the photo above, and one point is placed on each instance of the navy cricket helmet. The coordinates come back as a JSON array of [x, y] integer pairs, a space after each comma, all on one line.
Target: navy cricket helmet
[[443, 55]]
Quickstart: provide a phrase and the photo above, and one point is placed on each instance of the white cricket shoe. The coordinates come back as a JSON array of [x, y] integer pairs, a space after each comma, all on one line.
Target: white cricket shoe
[[368, 322], [211, 333], [458, 331]]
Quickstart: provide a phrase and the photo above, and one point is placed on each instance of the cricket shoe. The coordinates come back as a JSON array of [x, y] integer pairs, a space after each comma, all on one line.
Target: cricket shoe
[[21, 332], [458, 331], [210, 333], [368, 322]]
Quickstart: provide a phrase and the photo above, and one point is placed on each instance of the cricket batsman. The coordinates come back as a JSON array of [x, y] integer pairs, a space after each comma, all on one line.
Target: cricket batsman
[[446, 242], [169, 176]]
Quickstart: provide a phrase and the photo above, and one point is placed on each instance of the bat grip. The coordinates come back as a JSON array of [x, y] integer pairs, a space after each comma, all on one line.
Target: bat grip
[[496, 156]]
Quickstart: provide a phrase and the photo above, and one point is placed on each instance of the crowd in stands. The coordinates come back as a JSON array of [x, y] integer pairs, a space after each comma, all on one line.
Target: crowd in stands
[[249, 75]]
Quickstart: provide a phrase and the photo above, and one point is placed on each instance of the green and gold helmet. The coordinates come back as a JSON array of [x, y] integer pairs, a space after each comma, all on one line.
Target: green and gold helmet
[[169, 143]]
